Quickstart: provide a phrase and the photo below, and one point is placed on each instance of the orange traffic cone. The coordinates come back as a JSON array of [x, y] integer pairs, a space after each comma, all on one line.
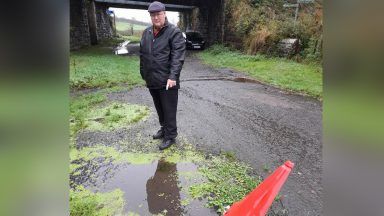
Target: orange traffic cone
[[260, 199]]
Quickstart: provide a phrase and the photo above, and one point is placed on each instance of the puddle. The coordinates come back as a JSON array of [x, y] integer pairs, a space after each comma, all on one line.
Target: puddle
[[159, 187], [122, 49], [244, 79]]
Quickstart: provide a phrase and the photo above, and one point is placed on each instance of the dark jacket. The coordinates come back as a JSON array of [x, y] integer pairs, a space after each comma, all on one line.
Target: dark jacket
[[162, 57]]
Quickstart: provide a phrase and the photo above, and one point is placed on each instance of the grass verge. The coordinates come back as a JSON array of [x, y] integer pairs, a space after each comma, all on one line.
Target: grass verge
[[97, 66], [279, 72]]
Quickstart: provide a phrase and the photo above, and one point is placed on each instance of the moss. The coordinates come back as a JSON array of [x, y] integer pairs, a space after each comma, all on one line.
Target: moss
[[84, 202]]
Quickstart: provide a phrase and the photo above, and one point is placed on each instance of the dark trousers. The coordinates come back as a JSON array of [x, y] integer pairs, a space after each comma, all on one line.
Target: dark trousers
[[166, 106]]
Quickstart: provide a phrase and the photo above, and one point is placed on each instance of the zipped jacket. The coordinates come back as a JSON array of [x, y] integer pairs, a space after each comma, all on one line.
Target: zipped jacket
[[162, 56]]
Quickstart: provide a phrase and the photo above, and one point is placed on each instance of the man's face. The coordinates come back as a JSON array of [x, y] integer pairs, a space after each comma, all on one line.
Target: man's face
[[158, 19]]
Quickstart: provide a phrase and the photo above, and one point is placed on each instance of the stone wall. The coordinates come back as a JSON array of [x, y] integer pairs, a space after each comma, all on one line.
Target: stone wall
[[79, 23], [104, 22], [79, 30]]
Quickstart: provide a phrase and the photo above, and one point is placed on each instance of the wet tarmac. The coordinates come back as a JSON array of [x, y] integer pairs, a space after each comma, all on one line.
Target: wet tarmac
[[220, 110]]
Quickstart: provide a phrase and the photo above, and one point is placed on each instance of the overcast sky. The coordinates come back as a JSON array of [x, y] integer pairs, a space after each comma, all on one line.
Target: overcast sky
[[143, 15]]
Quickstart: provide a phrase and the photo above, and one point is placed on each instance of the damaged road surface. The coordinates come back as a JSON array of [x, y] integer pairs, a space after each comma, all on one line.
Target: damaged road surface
[[223, 111]]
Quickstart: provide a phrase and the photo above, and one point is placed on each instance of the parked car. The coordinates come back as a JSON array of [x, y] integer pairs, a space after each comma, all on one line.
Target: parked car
[[194, 40]]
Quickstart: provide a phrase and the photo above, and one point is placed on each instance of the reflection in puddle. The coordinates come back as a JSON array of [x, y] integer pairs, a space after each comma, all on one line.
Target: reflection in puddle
[[163, 192], [153, 188]]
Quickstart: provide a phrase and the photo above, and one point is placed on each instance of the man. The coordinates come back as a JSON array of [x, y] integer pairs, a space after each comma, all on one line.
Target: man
[[162, 54]]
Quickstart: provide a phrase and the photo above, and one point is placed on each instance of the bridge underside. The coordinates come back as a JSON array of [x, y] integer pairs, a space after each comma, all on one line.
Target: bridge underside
[[91, 23], [143, 5]]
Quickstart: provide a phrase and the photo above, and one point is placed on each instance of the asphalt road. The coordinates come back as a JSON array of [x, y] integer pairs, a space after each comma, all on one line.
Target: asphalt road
[[263, 126]]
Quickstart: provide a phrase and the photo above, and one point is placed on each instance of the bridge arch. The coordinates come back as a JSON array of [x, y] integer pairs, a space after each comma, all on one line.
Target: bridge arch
[[89, 21]]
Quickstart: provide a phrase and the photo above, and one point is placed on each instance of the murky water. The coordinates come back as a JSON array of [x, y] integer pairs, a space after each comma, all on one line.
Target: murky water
[[152, 188]]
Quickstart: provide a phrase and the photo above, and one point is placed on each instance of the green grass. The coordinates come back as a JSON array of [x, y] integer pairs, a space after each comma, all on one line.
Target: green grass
[[123, 26], [97, 66], [279, 72]]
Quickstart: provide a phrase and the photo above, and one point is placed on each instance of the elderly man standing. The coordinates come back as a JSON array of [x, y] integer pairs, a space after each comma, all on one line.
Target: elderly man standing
[[162, 54]]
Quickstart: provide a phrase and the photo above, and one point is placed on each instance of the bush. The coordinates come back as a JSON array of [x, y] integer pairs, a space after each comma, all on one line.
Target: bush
[[217, 49], [262, 24]]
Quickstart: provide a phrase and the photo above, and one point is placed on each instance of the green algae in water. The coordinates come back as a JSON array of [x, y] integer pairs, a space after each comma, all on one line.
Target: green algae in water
[[109, 155], [86, 203], [112, 155], [116, 115]]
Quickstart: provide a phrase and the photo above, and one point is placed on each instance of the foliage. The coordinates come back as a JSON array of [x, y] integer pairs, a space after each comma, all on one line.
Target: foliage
[[261, 24]]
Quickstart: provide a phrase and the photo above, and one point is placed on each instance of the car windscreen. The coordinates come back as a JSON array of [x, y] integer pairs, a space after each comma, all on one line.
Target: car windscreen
[[194, 36]]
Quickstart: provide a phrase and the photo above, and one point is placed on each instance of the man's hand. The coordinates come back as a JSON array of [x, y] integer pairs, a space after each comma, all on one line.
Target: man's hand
[[170, 83]]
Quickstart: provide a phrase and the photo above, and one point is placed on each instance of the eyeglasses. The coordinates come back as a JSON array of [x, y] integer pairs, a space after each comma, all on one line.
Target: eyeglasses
[[156, 14]]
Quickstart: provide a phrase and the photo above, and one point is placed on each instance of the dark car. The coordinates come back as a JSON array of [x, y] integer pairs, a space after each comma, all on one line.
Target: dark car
[[194, 40]]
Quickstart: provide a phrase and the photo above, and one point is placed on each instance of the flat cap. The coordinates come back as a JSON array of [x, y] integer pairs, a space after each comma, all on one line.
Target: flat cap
[[156, 6]]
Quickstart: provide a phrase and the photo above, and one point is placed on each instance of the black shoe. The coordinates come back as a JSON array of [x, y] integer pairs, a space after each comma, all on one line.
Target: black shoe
[[158, 135], [167, 143]]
